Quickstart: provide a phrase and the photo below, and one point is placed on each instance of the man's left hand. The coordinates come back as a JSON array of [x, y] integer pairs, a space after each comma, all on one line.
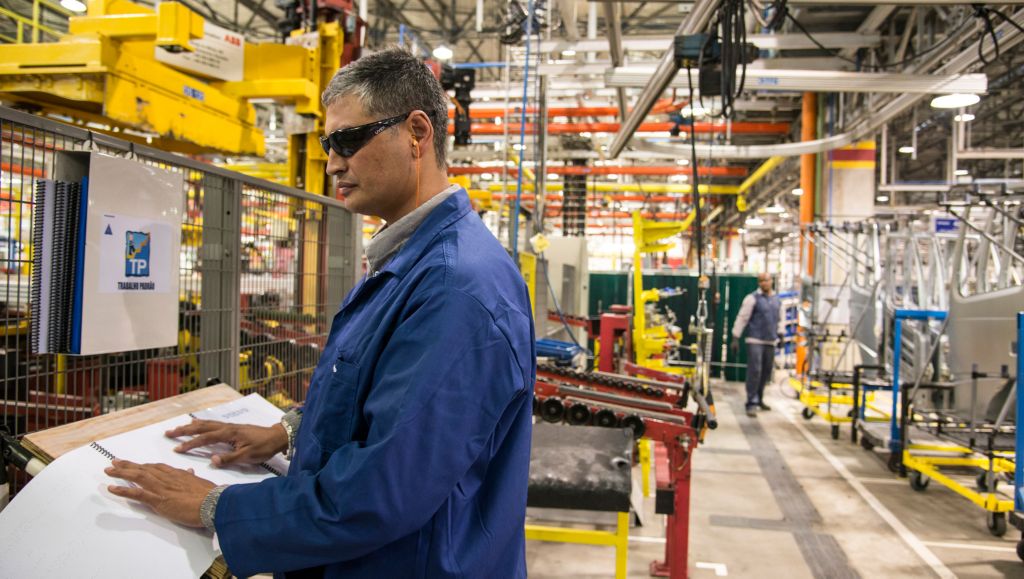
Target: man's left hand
[[173, 493]]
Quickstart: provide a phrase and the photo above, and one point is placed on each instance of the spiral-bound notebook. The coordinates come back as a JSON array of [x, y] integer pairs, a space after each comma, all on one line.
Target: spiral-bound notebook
[[65, 521]]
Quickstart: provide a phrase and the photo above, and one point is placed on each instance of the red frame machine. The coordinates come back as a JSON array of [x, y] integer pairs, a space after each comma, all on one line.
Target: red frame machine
[[652, 409]]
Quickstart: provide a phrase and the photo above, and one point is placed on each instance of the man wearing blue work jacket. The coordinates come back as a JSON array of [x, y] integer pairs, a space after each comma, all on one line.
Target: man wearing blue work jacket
[[411, 456]]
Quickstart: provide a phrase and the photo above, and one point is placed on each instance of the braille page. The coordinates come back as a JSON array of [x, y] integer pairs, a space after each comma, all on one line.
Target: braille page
[[66, 523]]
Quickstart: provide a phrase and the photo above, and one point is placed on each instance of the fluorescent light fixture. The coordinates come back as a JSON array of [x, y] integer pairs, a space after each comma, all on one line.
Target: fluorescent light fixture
[[568, 52], [966, 117], [798, 191], [693, 112], [552, 176], [73, 5], [682, 162], [774, 209], [785, 215], [882, 198], [754, 221], [906, 150], [443, 53], [741, 230], [961, 172], [955, 100]]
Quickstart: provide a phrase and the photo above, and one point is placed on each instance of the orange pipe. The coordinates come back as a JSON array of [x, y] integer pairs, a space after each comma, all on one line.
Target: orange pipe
[[739, 128], [22, 170], [808, 128], [663, 106], [615, 170]]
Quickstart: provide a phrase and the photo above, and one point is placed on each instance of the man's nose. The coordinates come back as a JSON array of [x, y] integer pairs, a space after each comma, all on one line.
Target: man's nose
[[336, 164]]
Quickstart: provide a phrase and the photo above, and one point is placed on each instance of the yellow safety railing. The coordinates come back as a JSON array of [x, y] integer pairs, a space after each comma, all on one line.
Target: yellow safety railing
[[31, 29]]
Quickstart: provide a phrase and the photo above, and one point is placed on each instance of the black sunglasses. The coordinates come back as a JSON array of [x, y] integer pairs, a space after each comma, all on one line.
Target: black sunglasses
[[347, 142]]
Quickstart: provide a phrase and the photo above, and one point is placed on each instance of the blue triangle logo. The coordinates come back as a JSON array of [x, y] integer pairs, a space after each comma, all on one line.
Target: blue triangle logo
[[108, 231]]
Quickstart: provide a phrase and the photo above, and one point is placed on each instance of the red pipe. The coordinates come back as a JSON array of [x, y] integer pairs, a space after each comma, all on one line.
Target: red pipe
[[738, 128]]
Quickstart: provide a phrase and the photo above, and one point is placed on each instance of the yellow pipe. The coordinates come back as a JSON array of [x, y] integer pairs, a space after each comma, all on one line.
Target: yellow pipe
[[759, 174], [62, 378]]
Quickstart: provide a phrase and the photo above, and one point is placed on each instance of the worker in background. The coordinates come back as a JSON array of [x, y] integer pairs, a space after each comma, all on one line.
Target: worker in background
[[762, 317], [411, 456]]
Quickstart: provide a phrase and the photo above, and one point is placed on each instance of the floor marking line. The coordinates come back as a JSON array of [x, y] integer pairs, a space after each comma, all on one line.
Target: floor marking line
[[904, 533], [968, 546], [719, 568], [882, 481], [639, 539]]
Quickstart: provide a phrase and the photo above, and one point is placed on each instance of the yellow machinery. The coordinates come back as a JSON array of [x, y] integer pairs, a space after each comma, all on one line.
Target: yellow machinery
[[649, 342], [105, 71]]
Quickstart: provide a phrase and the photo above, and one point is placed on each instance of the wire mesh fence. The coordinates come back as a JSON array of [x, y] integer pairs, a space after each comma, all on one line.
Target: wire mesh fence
[[261, 267]]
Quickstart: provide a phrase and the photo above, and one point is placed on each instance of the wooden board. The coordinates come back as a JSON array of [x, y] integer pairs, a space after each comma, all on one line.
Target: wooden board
[[50, 444]]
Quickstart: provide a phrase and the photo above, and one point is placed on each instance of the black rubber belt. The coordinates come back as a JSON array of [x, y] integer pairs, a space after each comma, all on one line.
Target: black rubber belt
[[821, 551]]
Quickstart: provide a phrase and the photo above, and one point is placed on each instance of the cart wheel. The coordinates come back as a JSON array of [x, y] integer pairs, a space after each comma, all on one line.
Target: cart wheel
[[835, 432], [982, 483], [1020, 549], [894, 461], [807, 413], [866, 444], [919, 482], [996, 523]]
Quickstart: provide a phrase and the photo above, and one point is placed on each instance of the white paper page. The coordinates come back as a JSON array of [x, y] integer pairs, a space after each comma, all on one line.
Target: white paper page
[[66, 524]]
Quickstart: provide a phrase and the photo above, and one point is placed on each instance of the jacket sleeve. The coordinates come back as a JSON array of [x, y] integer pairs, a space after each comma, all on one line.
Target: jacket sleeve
[[437, 394], [743, 317]]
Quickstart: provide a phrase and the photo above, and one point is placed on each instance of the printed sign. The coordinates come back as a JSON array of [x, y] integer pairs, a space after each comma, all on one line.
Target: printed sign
[[219, 54], [945, 224], [136, 256]]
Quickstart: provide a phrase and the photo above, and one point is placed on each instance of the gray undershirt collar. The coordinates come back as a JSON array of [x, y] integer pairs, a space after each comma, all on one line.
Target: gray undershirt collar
[[389, 240]]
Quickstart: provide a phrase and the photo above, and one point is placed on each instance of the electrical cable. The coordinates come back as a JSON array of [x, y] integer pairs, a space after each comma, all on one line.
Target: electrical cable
[[836, 53], [558, 309], [733, 41], [985, 13], [514, 218], [695, 181]]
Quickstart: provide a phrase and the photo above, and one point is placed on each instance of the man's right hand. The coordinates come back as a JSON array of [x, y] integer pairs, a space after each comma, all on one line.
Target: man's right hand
[[734, 345], [251, 444]]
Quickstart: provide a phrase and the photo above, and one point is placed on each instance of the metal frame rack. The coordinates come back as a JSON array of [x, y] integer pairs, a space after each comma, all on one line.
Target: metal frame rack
[[262, 268]]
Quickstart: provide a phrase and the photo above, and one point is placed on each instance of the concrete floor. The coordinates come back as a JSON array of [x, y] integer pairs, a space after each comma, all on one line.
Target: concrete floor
[[775, 496]]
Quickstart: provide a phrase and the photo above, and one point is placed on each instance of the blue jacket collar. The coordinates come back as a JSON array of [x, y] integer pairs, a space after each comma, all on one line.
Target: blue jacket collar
[[450, 210]]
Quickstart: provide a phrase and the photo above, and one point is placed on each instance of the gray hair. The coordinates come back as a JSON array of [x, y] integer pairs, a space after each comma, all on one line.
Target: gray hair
[[393, 82]]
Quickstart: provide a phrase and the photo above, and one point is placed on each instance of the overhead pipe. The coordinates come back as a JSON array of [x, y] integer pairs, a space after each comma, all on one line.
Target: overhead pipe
[[632, 188], [614, 21], [1009, 37], [736, 128], [698, 19], [618, 170], [663, 106]]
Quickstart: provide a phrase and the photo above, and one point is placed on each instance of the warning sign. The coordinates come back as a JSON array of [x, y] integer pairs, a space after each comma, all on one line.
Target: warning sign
[[219, 54]]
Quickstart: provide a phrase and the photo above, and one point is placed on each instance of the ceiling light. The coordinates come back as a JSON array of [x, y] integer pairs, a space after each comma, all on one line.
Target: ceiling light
[[741, 230], [961, 172], [682, 162], [774, 209], [568, 52], [907, 150], [443, 53], [955, 101], [754, 221], [73, 5], [965, 117], [552, 176], [798, 191], [882, 198], [785, 215]]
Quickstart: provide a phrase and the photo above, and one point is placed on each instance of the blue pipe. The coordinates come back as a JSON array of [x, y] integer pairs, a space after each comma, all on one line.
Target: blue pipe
[[514, 227], [1018, 479], [401, 35]]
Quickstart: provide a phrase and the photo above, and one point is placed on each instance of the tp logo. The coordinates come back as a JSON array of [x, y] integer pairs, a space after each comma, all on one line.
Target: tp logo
[[136, 254]]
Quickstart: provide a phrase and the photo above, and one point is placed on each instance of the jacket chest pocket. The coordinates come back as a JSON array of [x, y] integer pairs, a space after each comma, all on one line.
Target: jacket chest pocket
[[335, 419]]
